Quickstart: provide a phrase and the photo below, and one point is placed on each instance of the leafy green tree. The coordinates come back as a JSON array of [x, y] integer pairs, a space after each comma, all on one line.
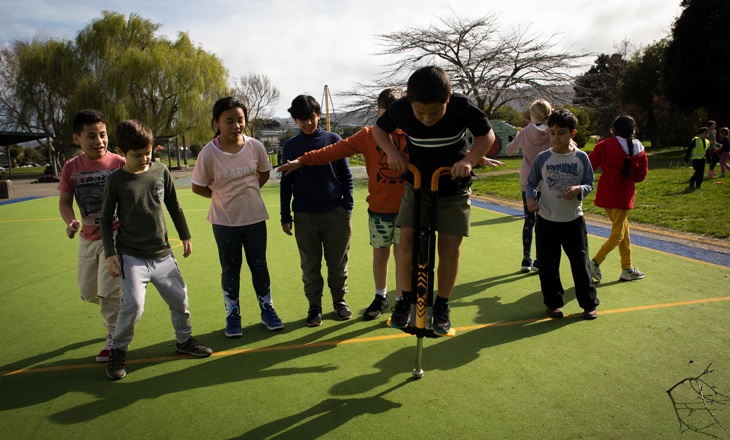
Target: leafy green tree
[[39, 81], [510, 115], [586, 127], [641, 88], [596, 90], [170, 85], [16, 155], [697, 69]]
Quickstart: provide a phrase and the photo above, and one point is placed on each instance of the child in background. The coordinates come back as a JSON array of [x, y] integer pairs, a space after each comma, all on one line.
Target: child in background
[[231, 170], [724, 150], [532, 139], [385, 191], [623, 162], [712, 155], [696, 151], [322, 204], [435, 120], [567, 177], [84, 177], [143, 254]]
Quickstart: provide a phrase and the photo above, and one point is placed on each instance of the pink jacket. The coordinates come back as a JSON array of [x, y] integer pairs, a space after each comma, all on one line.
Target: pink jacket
[[531, 140]]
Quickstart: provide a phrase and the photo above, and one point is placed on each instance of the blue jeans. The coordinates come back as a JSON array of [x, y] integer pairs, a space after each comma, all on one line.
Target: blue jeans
[[230, 240]]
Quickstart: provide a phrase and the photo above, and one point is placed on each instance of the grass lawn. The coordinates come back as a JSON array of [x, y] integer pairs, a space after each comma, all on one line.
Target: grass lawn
[[510, 373], [663, 199]]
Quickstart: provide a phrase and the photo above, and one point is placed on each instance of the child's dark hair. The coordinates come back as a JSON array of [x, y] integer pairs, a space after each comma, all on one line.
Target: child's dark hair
[[429, 85], [563, 119], [224, 104], [724, 131], [133, 135], [710, 123], [625, 126], [389, 96], [87, 116], [703, 130], [303, 106]]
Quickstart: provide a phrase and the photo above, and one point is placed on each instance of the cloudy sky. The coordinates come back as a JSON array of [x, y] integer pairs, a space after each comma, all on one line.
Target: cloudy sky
[[301, 46]]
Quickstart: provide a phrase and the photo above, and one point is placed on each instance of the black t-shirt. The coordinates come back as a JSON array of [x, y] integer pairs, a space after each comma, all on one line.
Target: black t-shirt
[[440, 145]]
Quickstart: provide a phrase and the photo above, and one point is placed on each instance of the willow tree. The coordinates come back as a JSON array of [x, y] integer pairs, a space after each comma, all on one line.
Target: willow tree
[[170, 85], [39, 79]]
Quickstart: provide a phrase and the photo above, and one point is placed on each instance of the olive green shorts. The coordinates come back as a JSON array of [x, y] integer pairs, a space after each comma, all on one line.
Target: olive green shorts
[[453, 215]]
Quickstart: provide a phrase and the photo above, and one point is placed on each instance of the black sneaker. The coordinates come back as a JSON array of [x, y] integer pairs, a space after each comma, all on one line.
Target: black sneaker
[[376, 308], [314, 316], [441, 323], [193, 348], [115, 368], [526, 265], [342, 311], [401, 313], [535, 266]]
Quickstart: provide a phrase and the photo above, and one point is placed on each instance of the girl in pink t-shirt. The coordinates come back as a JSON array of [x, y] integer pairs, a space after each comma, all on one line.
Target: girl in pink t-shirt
[[230, 170]]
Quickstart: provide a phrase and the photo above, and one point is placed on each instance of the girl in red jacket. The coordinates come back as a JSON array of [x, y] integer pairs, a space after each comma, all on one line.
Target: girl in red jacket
[[623, 162]]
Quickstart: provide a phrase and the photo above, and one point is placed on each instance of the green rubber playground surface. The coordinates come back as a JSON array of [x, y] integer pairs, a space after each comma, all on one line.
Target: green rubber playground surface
[[509, 373]]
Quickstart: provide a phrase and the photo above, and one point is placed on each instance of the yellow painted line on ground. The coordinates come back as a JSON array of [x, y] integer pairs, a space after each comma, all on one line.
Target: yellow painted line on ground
[[334, 342]]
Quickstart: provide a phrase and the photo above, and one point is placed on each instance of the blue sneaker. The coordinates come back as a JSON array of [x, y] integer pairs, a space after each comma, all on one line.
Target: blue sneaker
[[441, 322], [401, 313], [233, 326], [270, 319]]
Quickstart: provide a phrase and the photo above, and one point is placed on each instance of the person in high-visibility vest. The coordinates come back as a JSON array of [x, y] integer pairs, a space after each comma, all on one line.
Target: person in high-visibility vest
[[696, 150]]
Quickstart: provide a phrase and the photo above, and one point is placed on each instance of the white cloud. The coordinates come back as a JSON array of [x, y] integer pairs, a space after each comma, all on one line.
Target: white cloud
[[302, 46]]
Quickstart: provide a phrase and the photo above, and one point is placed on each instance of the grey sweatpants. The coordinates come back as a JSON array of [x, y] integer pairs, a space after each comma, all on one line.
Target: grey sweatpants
[[165, 275]]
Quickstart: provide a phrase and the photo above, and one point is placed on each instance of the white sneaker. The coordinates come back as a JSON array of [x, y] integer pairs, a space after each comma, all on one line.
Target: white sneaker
[[631, 274]]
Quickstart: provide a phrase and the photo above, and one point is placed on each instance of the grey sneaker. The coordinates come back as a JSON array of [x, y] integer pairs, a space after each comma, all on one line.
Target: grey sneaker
[[115, 368], [270, 319], [193, 348], [631, 274], [596, 271], [342, 311]]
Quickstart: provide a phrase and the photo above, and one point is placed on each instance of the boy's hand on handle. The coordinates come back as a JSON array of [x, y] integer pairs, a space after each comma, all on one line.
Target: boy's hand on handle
[[287, 228], [397, 162], [289, 166], [187, 248], [461, 168], [532, 205], [113, 266], [72, 228]]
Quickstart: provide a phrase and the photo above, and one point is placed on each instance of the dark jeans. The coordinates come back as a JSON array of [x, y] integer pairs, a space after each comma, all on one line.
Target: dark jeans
[[699, 174], [527, 227], [571, 236], [252, 238]]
